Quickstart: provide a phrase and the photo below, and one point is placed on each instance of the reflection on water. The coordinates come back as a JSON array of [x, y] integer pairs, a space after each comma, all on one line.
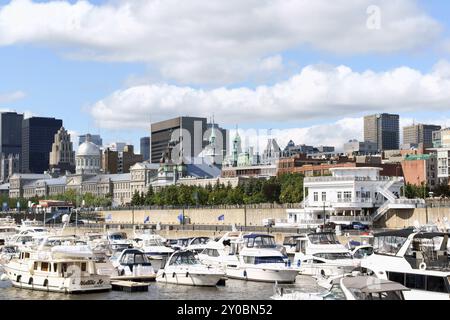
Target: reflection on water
[[233, 290]]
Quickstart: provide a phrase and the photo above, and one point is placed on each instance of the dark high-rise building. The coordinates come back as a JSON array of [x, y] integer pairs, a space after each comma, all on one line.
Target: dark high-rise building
[[11, 133], [186, 132], [384, 130], [38, 135], [145, 148], [95, 138], [419, 134]]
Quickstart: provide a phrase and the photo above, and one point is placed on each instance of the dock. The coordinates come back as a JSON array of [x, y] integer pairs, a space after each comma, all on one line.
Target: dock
[[129, 286], [135, 278]]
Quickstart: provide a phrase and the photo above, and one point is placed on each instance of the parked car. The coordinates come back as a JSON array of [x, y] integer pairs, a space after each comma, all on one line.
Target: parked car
[[355, 225]]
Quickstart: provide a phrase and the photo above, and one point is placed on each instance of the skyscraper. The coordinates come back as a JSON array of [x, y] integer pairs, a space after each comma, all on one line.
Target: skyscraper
[[145, 148], [384, 130], [38, 135], [95, 138], [187, 132], [419, 134], [11, 133], [62, 156]]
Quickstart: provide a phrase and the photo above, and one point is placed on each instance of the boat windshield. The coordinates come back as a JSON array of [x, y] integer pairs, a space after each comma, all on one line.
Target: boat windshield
[[334, 255], [184, 258], [153, 243], [134, 258], [117, 236], [260, 242], [388, 244], [386, 295], [323, 238]]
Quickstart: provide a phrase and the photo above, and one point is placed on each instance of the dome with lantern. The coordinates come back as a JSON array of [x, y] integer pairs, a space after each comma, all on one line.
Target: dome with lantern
[[88, 157]]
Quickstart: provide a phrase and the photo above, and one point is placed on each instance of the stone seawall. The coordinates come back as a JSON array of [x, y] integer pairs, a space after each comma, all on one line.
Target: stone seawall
[[397, 219], [249, 216], [394, 219]]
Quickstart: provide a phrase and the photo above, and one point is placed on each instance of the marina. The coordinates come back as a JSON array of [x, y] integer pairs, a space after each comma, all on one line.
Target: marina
[[55, 262]]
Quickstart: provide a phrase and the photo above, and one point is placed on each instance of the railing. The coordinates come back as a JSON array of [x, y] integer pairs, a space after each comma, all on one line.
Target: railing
[[179, 207], [350, 218], [351, 178]]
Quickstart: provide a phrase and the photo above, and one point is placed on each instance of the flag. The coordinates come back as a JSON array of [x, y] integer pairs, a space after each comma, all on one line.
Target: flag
[[108, 217], [221, 217], [147, 219], [181, 217]]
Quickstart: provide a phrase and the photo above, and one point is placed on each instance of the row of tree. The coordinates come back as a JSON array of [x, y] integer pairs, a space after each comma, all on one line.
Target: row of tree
[[412, 191], [287, 188], [88, 199]]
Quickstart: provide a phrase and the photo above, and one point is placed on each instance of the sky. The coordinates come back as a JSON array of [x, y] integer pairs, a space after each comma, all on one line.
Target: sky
[[307, 69]]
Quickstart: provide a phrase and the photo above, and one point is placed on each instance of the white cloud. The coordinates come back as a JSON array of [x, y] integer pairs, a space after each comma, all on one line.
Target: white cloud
[[214, 41], [322, 93], [11, 96]]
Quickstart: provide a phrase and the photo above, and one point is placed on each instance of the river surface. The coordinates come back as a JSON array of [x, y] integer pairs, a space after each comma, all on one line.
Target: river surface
[[232, 290]]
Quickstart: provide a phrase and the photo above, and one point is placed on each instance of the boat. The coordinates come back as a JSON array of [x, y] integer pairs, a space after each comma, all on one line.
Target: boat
[[184, 268], [197, 244], [345, 287], [6, 231], [133, 264], [260, 260], [416, 259], [56, 266], [152, 245], [118, 241], [320, 254], [222, 251]]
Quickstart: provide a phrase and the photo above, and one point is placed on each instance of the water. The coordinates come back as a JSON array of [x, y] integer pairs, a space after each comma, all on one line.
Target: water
[[233, 290]]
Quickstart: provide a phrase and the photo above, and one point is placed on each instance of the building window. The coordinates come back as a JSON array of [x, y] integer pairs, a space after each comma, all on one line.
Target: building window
[[339, 196], [316, 196], [324, 196], [347, 195]]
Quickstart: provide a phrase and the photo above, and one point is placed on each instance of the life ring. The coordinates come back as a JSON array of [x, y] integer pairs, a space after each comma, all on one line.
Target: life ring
[[422, 266]]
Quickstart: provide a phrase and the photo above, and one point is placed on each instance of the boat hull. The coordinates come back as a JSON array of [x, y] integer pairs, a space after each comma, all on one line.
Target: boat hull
[[189, 279], [20, 277], [262, 274]]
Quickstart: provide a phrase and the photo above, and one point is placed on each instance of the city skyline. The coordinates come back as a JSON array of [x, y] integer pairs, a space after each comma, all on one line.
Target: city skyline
[[303, 85]]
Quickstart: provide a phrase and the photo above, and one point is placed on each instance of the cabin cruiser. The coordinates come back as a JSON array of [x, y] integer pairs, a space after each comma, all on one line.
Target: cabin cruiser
[[222, 251], [290, 243], [152, 245], [184, 268], [416, 259], [6, 231], [56, 265], [321, 254], [118, 241], [27, 235], [259, 260], [197, 244], [345, 287], [133, 264]]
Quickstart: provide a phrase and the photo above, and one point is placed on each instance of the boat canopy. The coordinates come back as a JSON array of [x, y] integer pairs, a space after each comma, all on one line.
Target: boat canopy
[[372, 284]]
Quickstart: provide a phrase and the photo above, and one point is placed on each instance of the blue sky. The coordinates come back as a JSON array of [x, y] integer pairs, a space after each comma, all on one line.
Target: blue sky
[[56, 83]]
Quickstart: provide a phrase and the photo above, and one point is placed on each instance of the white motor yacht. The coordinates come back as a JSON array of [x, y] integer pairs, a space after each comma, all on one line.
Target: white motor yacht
[[418, 260], [152, 245], [6, 231], [133, 264], [197, 244], [223, 251], [321, 254], [184, 268], [58, 266], [345, 287], [118, 241], [260, 260]]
